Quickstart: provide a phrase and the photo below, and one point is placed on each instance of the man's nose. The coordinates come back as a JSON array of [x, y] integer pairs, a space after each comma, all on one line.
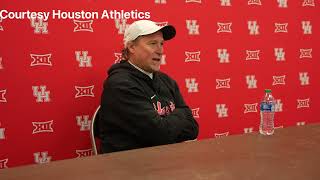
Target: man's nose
[[159, 49]]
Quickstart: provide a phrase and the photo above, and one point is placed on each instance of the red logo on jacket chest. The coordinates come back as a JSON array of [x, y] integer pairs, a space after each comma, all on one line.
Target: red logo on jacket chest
[[164, 110]]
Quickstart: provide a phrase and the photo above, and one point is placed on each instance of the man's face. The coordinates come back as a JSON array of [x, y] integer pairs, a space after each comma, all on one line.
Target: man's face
[[146, 52]]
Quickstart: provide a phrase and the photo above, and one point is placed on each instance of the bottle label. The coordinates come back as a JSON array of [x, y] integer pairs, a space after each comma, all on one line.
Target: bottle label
[[265, 106]]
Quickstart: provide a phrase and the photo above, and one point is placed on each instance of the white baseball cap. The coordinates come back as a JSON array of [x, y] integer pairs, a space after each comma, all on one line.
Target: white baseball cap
[[145, 27]]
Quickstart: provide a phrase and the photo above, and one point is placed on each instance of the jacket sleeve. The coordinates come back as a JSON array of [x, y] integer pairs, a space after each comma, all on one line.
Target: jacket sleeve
[[134, 113], [191, 129]]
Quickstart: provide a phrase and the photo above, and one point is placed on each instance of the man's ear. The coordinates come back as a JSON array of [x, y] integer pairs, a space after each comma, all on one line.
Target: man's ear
[[131, 46]]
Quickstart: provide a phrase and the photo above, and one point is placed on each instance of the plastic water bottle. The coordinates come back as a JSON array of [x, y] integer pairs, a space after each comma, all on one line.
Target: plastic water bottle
[[267, 110]]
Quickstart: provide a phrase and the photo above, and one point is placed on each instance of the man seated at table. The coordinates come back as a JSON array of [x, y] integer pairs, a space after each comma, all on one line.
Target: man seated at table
[[141, 106]]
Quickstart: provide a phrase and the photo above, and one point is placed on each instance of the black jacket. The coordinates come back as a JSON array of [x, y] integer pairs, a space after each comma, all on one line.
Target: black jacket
[[137, 111]]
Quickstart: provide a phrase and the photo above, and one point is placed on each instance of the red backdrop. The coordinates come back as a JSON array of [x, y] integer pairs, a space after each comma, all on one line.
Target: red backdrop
[[224, 55]]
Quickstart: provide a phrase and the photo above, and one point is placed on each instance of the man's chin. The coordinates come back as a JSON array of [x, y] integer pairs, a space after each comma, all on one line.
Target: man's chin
[[155, 69]]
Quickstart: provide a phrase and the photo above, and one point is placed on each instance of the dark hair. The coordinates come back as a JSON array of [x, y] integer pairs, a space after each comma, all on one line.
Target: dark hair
[[125, 54]]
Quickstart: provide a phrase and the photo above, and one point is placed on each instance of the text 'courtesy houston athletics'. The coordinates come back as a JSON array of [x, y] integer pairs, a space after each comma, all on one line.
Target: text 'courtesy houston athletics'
[[58, 14]]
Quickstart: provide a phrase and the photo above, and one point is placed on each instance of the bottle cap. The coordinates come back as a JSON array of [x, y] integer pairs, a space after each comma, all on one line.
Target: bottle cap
[[267, 90]]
